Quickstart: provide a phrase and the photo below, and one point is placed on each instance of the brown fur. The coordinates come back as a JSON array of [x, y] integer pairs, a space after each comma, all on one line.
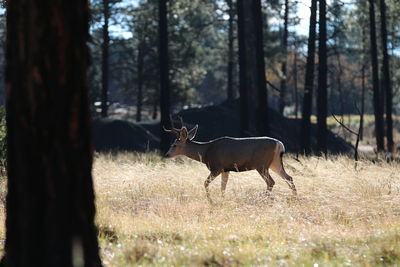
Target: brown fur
[[227, 154]]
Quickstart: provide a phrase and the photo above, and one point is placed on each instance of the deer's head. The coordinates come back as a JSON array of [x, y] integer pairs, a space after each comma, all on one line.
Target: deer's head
[[183, 136]]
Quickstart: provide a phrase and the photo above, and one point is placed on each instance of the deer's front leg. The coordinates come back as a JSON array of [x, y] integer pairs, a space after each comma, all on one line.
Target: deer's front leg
[[207, 182]]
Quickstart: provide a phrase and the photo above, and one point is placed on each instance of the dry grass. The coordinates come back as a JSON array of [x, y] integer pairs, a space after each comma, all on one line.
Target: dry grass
[[154, 212]]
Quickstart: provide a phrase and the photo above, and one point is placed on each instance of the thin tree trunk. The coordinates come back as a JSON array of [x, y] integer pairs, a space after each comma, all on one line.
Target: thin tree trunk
[[362, 101], [261, 83], [309, 82], [50, 200], [243, 83], [106, 41], [164, 77], [322, 81], [339, 83], [139, 100], [295, 86], [375, 79], [386, 79], [282, 101], [230, 93], [155, 109]]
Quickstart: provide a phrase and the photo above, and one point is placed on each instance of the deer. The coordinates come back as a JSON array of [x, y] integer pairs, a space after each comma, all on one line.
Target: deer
[[226, 154]]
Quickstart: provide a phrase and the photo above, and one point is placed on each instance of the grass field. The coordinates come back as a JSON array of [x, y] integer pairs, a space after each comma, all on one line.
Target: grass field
[[154, 212]]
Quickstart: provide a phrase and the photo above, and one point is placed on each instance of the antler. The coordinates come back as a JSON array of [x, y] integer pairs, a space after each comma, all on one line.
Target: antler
[[173, 129], [181, 119]]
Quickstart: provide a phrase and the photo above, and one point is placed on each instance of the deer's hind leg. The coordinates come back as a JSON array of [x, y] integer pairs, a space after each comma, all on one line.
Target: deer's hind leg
[[267, 178], [277, 167], [224, 181]]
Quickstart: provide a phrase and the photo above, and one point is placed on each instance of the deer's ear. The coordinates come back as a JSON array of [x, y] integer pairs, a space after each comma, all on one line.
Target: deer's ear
[[192, 133], [184, 133]]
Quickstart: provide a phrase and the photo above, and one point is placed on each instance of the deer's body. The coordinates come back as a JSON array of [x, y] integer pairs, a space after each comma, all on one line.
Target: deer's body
[[233, 154], [227, 154]]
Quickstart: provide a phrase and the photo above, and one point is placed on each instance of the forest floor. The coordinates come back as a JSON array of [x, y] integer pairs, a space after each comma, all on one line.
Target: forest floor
[[153, 211]]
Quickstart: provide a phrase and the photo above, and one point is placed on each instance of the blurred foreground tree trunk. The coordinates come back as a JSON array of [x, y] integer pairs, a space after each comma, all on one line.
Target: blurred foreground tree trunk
[[253, 91], [322, 102], [309, 83], [386, 81], [282, 102], [104, 63], [50, 200], [375, 79], [164, 76]]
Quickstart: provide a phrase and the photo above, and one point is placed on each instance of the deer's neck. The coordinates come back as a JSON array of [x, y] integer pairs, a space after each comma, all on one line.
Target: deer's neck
[[196, 151]]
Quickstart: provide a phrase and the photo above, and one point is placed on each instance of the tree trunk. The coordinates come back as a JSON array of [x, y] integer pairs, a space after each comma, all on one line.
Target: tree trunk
[[339, 84], [322, 102], [243, 83], [282, 102], [295, 86], [375, 79], [386, 79], [309, 82], [139, 100], [362, 101], [50, 200], [252, 69], [262, 128], [230, 93], [164, 77], [104, 64], [156, 102]]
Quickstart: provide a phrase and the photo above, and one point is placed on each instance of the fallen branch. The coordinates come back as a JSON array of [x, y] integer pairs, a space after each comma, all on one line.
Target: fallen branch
[[353, 132]]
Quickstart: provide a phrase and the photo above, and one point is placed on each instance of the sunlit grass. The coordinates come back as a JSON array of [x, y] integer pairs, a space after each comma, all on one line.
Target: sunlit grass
[[154, 211]]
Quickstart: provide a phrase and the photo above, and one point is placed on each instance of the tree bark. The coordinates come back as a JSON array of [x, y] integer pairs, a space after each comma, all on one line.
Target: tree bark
[[282, 102], [254, 117], [386, 81], [243, 83], [295, 86], [104, 64], [50, 200], [164, 76], [309, 82], [231, 61], [375, 79], [322, 102], [139, 99]]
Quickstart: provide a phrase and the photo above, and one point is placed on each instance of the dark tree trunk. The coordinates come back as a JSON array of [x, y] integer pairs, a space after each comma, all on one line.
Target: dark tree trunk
[[231, 61], [375, 79], [387, 85], [243, 83], [339, 84], [282, 102], [164, 77], [362, 101], [295, 86], [104, 64], [309, 82], [139, 99], [362, 86], [322, 102], [50, 200], [156, 102], [254, 117], [261, 83], [155, 109]]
